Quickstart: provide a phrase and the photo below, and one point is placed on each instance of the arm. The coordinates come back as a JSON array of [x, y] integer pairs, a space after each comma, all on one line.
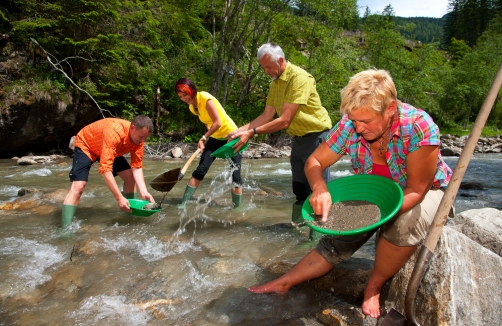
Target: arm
[[321, 158], [112, 185], [264, 123], [215, 117], [140, 183], [420, 168]]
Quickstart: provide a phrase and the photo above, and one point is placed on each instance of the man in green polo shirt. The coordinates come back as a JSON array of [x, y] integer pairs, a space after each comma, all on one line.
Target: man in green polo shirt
[[293, 97]]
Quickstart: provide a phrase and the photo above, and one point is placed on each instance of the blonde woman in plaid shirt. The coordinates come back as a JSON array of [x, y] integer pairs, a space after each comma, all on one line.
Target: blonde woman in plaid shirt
[[389, 138]]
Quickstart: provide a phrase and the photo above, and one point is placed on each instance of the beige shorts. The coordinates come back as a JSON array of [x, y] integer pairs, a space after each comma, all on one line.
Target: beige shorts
[[410, 228], [407, 229]]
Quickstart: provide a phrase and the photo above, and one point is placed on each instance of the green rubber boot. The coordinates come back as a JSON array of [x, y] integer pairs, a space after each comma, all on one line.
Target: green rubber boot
[[296, 215], [314, 235], [236, 200], [67, 215], [128, 195], [189, 190]]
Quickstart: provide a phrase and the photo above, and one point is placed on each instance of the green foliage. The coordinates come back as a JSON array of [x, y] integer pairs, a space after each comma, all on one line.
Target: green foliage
[[192, 138], [122, 52], [467, 20], [473, 76], [457, 50], [423, 29]]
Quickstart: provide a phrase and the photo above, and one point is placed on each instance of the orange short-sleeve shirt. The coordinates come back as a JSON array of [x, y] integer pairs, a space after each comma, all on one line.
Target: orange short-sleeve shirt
[[107, 139]]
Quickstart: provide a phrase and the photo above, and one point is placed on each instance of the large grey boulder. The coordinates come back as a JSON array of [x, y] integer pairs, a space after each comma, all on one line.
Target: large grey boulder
[[481, 225], [462, 285]]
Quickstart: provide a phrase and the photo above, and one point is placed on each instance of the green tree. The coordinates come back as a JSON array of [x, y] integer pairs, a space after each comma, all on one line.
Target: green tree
[[473, 76]]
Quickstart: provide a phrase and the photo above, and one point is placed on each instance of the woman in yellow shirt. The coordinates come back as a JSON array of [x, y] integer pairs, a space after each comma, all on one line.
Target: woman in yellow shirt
[[218, 124]]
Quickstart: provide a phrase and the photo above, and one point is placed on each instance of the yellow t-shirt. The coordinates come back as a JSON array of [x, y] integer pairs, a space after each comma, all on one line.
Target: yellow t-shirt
[[227, 124], [297, 86]]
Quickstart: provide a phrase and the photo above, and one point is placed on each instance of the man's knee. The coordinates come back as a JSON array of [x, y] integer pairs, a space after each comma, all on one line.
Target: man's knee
[[126, 175], [77, 188]]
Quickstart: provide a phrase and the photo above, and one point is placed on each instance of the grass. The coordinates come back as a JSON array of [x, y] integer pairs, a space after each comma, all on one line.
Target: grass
[[488, 131]]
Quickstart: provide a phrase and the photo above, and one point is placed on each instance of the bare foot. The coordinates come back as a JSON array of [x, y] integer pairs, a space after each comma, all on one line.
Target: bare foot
[[275, 286], [371, 305]]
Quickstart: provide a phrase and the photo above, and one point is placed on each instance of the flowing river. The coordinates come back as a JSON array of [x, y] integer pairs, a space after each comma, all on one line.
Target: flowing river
[[176, 267]]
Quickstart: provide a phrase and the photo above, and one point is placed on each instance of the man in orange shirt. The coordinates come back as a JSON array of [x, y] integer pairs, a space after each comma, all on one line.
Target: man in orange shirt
[[106, 141]]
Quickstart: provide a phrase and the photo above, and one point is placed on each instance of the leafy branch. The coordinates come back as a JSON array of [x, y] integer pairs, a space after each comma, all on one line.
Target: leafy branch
[[59, 68]]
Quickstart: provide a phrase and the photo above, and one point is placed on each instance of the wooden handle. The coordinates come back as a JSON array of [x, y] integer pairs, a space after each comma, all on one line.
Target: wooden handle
[[187, 164]]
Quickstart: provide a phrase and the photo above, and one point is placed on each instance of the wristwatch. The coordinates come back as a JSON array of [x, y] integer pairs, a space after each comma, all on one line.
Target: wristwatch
[[255, 133]]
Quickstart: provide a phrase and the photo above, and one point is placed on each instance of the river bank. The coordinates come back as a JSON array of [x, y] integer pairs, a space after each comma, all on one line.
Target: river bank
[[451, 145]]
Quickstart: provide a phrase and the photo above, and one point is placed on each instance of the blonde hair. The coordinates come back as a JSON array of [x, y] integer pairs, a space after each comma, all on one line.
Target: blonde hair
[[370, 88]]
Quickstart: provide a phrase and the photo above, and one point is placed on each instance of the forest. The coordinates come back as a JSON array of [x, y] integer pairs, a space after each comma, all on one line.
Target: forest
[[127, 55]]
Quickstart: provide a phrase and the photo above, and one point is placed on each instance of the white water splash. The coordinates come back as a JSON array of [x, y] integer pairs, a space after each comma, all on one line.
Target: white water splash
[[275, 165], [27, 261], [109, 310], [9, 190], [151, 249], [43, 172], [338, 174], [282, 172]]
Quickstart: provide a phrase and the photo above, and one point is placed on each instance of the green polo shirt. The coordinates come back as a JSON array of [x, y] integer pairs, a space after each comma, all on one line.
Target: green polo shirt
[[297, 86]]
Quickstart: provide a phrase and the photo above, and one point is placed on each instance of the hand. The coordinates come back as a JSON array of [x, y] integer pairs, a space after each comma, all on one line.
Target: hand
[[201, 144], [243, 136], [231, 135], [124, 205], [147, 196], [321, 203]]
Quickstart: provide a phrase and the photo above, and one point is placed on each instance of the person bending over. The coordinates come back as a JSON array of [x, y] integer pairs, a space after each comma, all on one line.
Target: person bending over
[[106, 141], [218, 124]]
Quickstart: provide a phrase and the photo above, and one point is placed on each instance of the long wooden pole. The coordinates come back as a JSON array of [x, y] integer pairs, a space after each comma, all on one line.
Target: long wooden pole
[[427, 250]]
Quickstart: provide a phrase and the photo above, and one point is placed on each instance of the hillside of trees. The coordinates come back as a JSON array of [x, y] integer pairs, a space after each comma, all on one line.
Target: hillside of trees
[[423, 29], [123, 52]]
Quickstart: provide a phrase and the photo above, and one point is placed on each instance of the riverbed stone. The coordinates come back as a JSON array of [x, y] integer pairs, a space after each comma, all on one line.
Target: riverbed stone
[[65, 282], [44, 210], [19, 204], [483, 226], [26, 161], [347, 280], [56, 196], [176, 152], [24, 191], [92, 245], [461, 286], [345, 315]]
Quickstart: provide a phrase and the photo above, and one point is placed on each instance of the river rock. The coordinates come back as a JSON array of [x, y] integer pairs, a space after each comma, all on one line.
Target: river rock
[[461, 286], [471, 186], [32, 159], [44, 210], [89, 246], [452, 145], [26, 161], [20, 204], [24, 191], [483, 226], [348, 279], [66, 282], [176, 152]]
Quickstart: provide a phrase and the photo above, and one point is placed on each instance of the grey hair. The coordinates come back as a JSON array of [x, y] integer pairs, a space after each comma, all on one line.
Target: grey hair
[[142, 121], [273, 50]]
